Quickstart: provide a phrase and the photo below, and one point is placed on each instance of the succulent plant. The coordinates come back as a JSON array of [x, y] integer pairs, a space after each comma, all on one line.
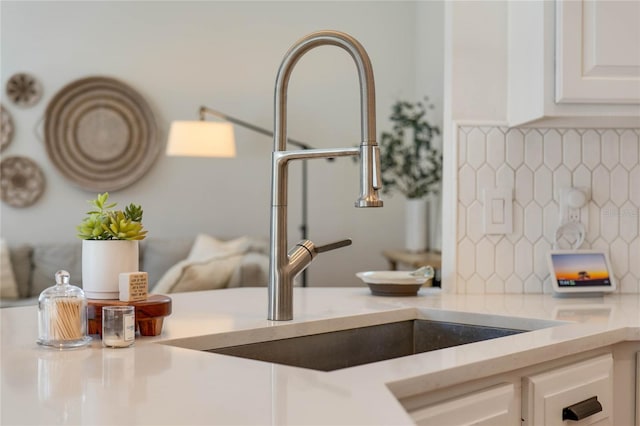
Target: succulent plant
[[104, 223]]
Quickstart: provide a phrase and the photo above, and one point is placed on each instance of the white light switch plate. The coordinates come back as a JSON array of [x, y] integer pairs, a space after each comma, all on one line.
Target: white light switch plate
[[498, 210]]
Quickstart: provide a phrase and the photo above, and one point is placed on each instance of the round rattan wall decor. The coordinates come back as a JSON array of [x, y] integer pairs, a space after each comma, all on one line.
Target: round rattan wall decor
[[6, 128], [21, 181], [100, 134], [23, 89]]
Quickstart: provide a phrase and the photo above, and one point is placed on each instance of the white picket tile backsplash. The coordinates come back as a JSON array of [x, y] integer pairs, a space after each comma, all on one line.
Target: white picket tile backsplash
[[535, 162]]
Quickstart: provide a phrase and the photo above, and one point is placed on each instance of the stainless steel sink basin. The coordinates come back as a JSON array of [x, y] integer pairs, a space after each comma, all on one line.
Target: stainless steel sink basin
[[348, 348]]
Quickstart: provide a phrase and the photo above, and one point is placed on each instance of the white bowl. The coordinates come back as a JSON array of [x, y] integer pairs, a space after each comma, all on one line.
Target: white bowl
[[391, 277], [392, 283]]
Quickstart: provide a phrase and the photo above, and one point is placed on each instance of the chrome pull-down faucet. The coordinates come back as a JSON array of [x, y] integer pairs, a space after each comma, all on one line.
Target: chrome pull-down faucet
[[285, 265]]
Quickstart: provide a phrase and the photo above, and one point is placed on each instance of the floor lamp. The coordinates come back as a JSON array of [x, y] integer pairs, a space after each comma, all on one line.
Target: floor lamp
[[216, 139]]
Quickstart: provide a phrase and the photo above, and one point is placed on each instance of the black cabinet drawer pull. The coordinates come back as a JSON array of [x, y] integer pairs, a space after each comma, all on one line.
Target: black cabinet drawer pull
[[582, 410]]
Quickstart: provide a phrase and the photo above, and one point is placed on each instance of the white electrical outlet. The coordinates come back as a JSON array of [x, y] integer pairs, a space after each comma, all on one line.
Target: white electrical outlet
[[572, 201], [574, 214]]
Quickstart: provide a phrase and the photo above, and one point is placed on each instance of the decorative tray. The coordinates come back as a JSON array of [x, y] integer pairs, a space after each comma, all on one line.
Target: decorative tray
[[149, 313]]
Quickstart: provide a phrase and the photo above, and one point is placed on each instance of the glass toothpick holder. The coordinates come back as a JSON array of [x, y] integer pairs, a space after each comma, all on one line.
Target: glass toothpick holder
[[62, 315]]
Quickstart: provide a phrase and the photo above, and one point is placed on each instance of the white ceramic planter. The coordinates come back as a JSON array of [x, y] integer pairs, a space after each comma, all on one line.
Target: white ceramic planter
[[416, 224], [102, 263]]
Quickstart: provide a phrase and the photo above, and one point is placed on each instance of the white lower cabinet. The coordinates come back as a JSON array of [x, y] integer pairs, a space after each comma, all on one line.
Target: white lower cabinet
[[579, 388], [577, 394], [492, 406], [638, 389]]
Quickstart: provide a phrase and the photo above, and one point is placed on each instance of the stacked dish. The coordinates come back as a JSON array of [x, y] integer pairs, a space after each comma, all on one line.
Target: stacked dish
[[396, 283]]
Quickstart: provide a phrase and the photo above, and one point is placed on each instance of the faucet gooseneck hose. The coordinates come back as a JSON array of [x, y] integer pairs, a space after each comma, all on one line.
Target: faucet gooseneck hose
[[285, 265]]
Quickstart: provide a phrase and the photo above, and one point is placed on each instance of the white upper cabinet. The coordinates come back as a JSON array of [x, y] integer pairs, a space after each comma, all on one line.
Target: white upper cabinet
[[598, 52], [574, 62]]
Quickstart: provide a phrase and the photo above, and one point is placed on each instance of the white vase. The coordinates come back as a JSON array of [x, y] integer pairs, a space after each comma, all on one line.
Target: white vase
[[416, 220], [102, 263]]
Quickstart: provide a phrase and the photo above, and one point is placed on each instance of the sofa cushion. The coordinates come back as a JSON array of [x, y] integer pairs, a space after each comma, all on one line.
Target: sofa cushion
[[253, 272], [48, 258], [8, 285], [210, 265], [206, 246], [21, 264], [158, 255], [211, 274]]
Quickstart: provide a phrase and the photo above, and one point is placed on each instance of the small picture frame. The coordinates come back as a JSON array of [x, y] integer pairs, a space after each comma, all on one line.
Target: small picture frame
[[581, 271]]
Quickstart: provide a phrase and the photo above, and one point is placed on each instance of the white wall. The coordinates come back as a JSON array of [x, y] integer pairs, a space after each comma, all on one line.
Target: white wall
[[475, 91], [429, 82], [479, 61], [180, 55]]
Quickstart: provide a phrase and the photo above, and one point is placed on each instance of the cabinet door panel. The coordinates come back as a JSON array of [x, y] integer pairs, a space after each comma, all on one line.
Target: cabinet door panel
[[487, 407], [549, 392], [598, 52]]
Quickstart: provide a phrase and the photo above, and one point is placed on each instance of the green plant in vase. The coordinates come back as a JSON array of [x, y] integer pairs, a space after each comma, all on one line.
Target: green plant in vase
[[110, 246]]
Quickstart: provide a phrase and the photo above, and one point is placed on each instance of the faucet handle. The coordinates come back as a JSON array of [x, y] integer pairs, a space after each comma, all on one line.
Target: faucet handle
[[333, 246], [305, 251]]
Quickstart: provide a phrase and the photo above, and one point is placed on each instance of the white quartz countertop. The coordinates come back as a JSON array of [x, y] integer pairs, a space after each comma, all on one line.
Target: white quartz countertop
[[156, 382]]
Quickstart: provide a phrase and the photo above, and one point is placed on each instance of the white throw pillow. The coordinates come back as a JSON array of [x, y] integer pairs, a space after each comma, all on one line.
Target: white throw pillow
[[209, 265], [8, 285], [206, 246], [211, 274]]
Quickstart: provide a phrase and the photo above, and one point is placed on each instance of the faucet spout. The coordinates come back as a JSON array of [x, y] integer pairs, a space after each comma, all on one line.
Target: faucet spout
[[284, 265]]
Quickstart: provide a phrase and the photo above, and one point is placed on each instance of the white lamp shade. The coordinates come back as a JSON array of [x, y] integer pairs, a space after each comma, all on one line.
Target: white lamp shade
[[201, 139]]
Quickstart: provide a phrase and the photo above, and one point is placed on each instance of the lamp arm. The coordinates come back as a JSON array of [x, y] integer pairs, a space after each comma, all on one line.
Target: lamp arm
[[206, 110]]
